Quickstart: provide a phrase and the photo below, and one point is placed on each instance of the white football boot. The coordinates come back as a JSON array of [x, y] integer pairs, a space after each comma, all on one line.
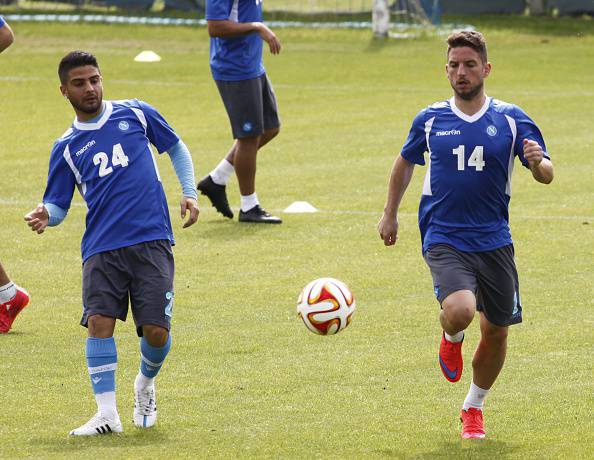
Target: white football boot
[[99, 425], [145, 406]]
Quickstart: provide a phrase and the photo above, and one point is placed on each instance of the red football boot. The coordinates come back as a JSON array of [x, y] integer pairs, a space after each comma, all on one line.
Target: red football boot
[[473, 426], [9, 310], [450, 359]]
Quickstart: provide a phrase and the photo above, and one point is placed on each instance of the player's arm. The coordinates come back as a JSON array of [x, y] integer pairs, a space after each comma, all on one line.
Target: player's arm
[[540, 166], [230, 29], [57, 196], [184, 169], [400, 177], [6, 37]]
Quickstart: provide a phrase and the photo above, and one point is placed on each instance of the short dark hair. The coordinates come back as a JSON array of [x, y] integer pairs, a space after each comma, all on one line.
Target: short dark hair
[[75, 59], [471, 38]]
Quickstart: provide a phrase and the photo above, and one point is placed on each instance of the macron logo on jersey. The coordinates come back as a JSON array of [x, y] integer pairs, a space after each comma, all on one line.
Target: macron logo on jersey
[[85, 148], [451, 132]]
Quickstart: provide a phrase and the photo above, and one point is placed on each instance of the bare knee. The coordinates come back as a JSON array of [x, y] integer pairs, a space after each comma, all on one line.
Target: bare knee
[[101, 327], [272, 133], [248, 143], [156, 336], [458, 310], [495, 335]]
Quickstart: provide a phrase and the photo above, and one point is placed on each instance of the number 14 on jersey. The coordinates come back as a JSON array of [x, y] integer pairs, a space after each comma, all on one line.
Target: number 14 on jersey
[[475, 160]]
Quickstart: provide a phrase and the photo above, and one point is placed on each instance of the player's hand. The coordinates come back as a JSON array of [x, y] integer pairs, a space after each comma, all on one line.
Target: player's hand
[[189, 205], [388, 229], [38, 219], [533, 152], [269, 37]]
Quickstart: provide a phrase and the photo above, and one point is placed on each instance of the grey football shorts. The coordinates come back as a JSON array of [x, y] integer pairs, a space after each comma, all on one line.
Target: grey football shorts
[[490, 275], [251, 106], [142, 273]]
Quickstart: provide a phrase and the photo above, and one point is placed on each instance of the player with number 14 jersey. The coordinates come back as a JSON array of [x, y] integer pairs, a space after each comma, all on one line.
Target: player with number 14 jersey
[[467, 186]]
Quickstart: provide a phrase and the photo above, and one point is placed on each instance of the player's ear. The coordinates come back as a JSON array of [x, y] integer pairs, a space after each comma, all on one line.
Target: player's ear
[[487, 70], [64, 91]]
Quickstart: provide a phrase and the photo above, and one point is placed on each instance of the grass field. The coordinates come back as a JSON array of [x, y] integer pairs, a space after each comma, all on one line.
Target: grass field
[[245, 379]]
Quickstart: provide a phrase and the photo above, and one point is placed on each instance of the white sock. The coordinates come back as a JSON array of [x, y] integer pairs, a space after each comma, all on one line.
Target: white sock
[[142, 381], [222, 173], [249, 201], [454, 338], [475, 397], [7, 292], [106, 404]]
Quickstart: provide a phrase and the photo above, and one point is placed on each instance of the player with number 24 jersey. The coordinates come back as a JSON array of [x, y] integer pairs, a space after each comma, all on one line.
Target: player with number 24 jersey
[[111, 163]]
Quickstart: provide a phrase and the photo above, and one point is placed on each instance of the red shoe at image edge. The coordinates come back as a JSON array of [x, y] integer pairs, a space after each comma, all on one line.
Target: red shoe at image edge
[[10, 310]]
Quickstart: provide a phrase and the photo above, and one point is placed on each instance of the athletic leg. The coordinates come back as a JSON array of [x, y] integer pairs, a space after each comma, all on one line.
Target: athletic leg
[[102, 361], [490, 354]]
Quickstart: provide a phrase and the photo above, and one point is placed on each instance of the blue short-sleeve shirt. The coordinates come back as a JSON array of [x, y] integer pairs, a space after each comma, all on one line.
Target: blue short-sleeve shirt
[[236, 58], [111, 163], [467, 185]]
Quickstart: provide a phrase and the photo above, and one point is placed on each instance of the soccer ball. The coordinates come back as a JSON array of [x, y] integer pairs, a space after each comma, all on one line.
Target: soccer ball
[[326, 306]]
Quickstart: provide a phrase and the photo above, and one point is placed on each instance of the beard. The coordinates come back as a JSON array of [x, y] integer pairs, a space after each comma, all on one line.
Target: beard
[[88, 108], [469, 93]]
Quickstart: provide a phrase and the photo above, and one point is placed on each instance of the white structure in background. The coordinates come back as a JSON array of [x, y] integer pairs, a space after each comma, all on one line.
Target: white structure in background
[[380, 18]]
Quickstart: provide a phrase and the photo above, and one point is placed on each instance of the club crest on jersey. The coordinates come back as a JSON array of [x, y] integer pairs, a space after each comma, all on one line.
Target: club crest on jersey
[[491, 130], [124, 125]]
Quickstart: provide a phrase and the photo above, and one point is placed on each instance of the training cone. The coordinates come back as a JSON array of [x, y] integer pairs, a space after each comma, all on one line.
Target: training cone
[[300, 207], [147, 56]]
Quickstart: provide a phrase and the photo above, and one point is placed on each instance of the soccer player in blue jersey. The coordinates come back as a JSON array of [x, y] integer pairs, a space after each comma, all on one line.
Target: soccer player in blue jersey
[[13, 298], [126, 247], [237, 32], [472, 141]]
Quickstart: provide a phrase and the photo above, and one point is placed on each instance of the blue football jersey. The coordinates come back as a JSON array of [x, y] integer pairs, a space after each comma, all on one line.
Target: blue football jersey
[[2, 21], [111, 163], [467, 185], [236, 58]]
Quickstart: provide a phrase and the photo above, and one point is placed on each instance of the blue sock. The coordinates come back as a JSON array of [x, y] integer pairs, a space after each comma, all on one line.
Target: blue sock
[[152, 358], [102, 360]]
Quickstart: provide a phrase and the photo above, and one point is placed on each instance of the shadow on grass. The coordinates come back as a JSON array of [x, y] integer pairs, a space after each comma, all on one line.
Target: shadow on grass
[[469, 448], [131, 437], [232, 230]]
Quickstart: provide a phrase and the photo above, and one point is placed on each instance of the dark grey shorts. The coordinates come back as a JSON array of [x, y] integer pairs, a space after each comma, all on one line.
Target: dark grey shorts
[[142, 273], [251, 106], [491, 275]]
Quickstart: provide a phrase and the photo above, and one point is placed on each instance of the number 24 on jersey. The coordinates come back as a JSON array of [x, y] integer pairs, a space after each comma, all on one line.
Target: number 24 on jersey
[[118, 158]]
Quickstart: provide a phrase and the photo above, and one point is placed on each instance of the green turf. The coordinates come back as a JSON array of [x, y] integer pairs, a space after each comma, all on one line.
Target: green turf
[[245, 379]]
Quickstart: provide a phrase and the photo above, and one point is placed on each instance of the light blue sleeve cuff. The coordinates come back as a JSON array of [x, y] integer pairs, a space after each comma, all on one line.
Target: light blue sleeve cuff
[[184, 169], [56, 214]]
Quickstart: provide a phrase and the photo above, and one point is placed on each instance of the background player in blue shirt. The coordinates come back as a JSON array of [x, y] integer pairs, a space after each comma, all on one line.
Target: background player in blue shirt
[[472, 141], [13, 298], [237, 31], [126, 247]]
